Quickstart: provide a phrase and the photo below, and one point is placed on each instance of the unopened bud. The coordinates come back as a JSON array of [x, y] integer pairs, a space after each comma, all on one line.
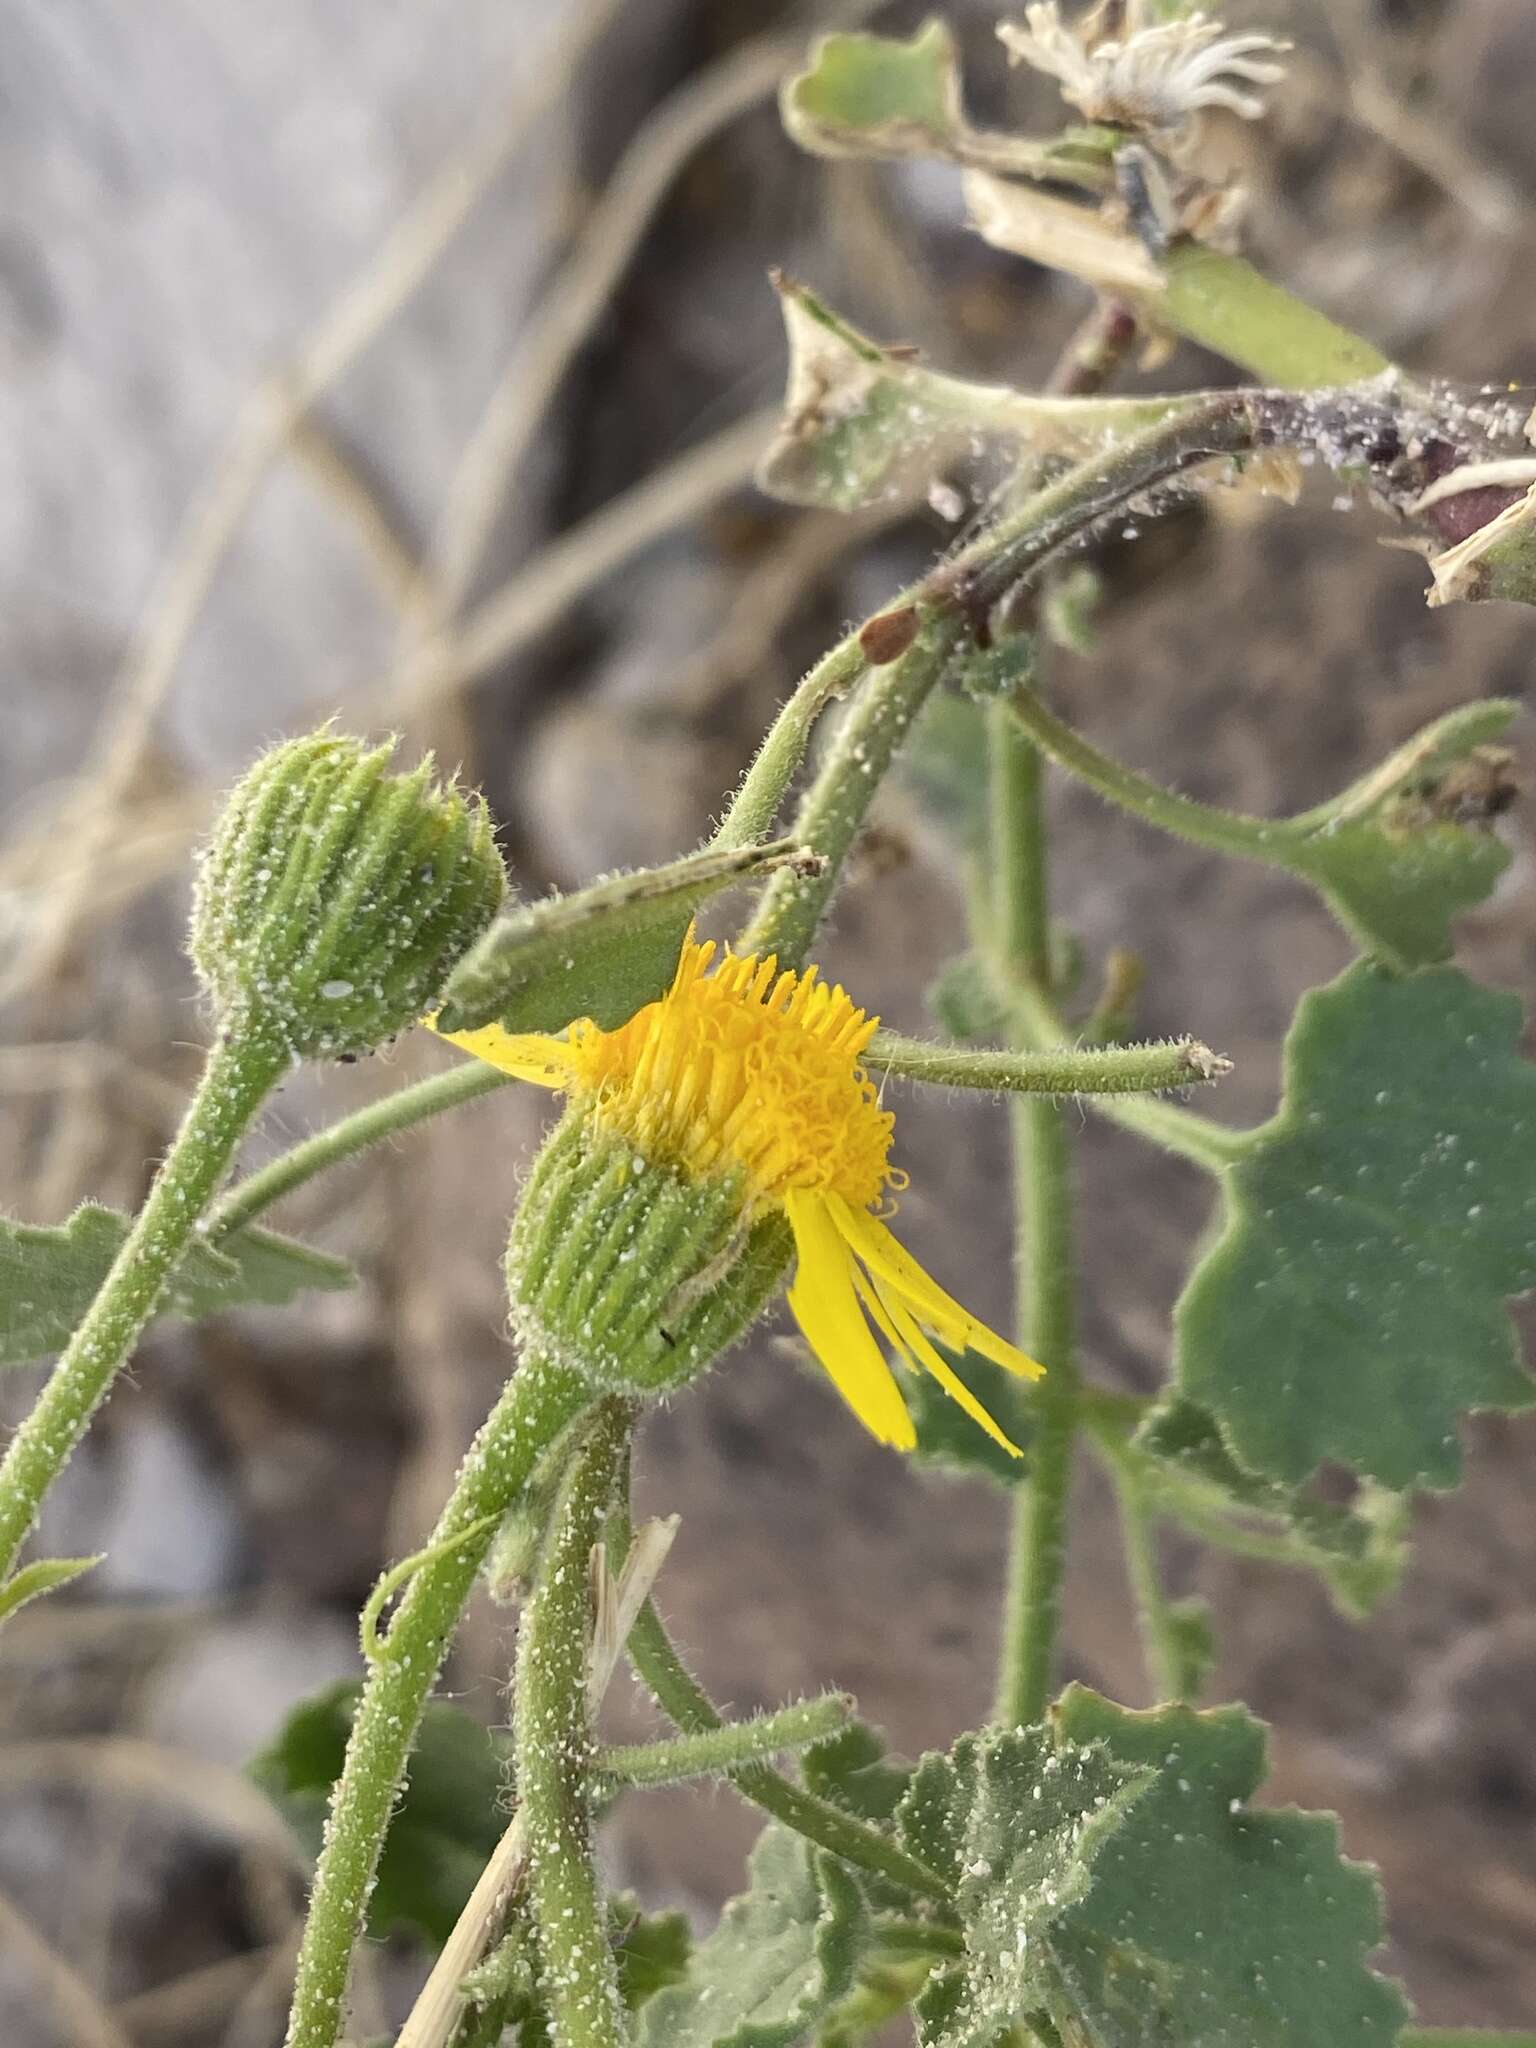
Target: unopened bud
[[335, 898]]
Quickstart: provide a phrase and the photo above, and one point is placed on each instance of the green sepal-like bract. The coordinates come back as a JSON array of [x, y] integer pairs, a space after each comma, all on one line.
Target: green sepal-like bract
[[335, 898], [633, 1275]]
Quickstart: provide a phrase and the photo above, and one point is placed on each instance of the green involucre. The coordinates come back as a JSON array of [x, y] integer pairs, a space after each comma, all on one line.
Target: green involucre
[[632, 1275]]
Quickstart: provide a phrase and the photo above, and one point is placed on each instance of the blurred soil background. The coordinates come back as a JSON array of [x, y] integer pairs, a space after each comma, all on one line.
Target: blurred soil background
[[408, 363]]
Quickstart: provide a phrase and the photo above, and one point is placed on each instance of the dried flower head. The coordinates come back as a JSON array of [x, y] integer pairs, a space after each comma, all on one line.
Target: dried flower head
[[1152, 75], [744, 1087]]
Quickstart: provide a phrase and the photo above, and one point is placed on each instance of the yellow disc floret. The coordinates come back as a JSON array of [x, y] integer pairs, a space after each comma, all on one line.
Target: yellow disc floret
[[747, 1070]]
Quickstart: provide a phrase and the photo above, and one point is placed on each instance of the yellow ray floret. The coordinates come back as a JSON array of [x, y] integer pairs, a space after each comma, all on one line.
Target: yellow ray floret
[[754, 1074]]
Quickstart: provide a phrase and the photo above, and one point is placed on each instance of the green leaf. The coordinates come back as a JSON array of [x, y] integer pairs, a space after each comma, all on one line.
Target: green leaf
[[1209, 1923], [43, 1575], [1353, 1305], [1014, 1821], [864, 425], [1410, 848], [877, 96], [651, 1950], [49, 1276], [604, 952], [783, 1955], [866, 95], [450, 1818], [1185, 1473]]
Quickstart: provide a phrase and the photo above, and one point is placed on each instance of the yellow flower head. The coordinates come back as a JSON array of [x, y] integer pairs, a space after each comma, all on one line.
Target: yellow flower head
[[753, 1075]]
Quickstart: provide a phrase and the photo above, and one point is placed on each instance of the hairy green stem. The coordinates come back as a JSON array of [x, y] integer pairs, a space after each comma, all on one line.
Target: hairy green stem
[[835, 806], [1159, 1635], [719, 1751], [686, 1704], [1192, 1137], [1259, 839], [351, 1135], [1107, 1070], [1018, 917], [1017, 913], [934, 614], [577, 1977], [1046, 1322], [752, 810], [242, 1068], [1035, 532], [540, 1401]]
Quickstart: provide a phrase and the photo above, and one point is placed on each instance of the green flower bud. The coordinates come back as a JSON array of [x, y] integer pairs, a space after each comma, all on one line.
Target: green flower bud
[[335, 898], [631, 1274]]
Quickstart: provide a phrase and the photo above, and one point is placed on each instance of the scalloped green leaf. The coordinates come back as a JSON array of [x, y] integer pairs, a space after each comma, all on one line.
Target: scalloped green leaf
[[1186, 1473], [1209, 1922], [1410, 848], [1014, 1820], [868, 95], [784, 1954], [876, 96], [447, 1822], [603, 952], [49, 1276], [1353, 1307]]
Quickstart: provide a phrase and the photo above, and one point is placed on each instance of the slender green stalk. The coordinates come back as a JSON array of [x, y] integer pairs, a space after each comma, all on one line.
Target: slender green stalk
[[1046, 1319], [750, 814], [1108, 1070], [837, 802], [1159, 1634], [1018, 915], [686, 1704], [351, 1135], [1192, 1137], [683, 1700], [1182, 1131], [1227, 306], [718, 1751], [242, 1067], [540, 1400], [1260, 839], [554, 1753]]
